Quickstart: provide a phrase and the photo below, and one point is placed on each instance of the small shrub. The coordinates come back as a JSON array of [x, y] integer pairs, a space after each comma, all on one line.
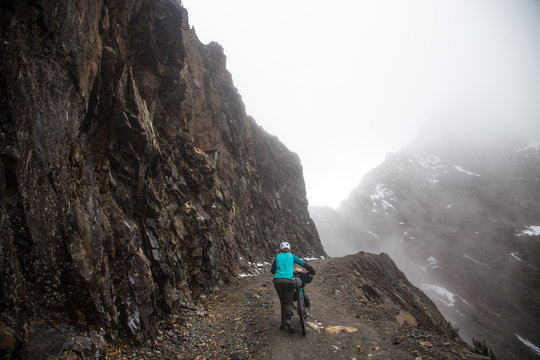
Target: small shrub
[[481, 348], [454, 331]]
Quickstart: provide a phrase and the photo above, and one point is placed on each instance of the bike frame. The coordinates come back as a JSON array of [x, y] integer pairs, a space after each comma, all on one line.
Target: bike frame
[[301, 309]]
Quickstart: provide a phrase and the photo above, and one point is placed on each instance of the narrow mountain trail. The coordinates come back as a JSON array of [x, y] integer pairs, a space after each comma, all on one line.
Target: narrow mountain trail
[[241, 321]]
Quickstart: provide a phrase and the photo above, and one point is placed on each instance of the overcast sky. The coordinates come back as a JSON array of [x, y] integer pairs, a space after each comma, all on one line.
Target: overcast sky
[[342, 83]]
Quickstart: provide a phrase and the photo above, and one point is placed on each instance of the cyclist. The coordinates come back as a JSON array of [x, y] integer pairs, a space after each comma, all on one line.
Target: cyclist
[[282, 268]]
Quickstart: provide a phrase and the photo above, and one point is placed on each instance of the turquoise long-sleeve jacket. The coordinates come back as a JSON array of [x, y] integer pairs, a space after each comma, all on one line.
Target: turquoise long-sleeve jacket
[[283, 264]]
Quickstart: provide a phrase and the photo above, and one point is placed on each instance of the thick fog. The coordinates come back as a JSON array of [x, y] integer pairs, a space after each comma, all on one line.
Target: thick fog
[[456, 85], [343, 83], [457, 216]]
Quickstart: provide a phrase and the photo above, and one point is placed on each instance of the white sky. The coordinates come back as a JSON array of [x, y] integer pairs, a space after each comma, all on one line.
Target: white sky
[[342, 83]]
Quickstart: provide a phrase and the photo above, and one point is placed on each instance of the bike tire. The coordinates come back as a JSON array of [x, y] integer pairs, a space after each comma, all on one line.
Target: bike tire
[[301, 311]]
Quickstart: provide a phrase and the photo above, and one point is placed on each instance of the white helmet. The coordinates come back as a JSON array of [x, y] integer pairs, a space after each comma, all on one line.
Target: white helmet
[[284, 245]]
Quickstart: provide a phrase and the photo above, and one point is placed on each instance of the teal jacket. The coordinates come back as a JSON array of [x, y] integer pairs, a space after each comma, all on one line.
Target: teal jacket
[[283, 264]]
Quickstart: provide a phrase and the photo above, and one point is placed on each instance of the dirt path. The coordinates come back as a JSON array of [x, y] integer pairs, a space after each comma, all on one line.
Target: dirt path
[[326, 311], [242, 320]]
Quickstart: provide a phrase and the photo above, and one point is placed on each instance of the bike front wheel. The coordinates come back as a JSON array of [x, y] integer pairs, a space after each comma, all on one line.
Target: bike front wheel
[[302, 311]]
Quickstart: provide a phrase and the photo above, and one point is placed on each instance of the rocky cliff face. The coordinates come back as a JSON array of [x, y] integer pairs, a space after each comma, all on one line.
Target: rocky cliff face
[[464, 227], [130, 175]]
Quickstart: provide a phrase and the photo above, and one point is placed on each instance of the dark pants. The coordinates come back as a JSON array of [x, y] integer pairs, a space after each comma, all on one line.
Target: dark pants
[[286, 294]]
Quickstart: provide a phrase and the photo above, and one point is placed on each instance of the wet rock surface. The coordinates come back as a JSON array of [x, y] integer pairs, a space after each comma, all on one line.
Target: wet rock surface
[[131, 178]]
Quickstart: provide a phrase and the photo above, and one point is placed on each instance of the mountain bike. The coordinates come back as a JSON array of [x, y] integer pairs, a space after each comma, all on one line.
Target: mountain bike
[[299, 280]]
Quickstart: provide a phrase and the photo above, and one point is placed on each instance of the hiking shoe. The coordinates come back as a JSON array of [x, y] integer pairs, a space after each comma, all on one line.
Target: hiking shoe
[[288, 326]]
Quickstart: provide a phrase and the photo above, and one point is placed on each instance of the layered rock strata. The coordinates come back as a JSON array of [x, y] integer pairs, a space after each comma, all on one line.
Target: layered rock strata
[[131, 177]]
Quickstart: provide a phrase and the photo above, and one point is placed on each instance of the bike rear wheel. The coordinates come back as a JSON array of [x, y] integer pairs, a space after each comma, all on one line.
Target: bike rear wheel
[[302, 311]]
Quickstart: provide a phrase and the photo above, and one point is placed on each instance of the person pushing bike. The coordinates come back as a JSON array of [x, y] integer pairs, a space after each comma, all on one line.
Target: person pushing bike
[[282, 268]]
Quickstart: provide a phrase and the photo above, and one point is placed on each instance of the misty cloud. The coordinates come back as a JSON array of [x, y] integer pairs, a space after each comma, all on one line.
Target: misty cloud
[[461, 221], [344, 83]]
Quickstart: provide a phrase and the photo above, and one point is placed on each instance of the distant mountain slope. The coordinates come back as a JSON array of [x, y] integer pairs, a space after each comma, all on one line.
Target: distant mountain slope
[[461, 224]]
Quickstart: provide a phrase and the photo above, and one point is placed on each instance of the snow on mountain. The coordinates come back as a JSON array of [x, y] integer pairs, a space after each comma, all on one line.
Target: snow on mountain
[[445, 296], [432, 167], [460, 211], [529, 146], [474, 260], [431, 265], [514, 255], [533, 347], [381, 197], [459, 168], [376, 236], [530, 231]]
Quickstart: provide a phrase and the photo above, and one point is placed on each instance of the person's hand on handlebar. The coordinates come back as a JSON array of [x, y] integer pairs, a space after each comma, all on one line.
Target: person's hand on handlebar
[[310, 269]]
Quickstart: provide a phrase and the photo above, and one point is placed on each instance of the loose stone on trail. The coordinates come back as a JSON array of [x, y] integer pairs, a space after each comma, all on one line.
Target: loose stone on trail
[[338, 329]]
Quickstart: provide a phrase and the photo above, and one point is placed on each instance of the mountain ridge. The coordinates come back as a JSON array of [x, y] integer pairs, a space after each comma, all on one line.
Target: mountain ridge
[[453, 224]]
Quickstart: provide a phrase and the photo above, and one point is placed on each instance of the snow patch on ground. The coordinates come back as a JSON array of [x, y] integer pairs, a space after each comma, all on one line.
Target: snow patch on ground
[[460, 169], [533, 347], [531, 230]]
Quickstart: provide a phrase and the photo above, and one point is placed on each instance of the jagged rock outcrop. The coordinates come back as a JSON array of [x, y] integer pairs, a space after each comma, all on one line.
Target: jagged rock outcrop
[[378, 279], [130, 174]]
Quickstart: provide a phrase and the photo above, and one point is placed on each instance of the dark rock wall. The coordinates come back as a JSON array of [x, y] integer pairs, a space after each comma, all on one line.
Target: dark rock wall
[[131, 177]]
